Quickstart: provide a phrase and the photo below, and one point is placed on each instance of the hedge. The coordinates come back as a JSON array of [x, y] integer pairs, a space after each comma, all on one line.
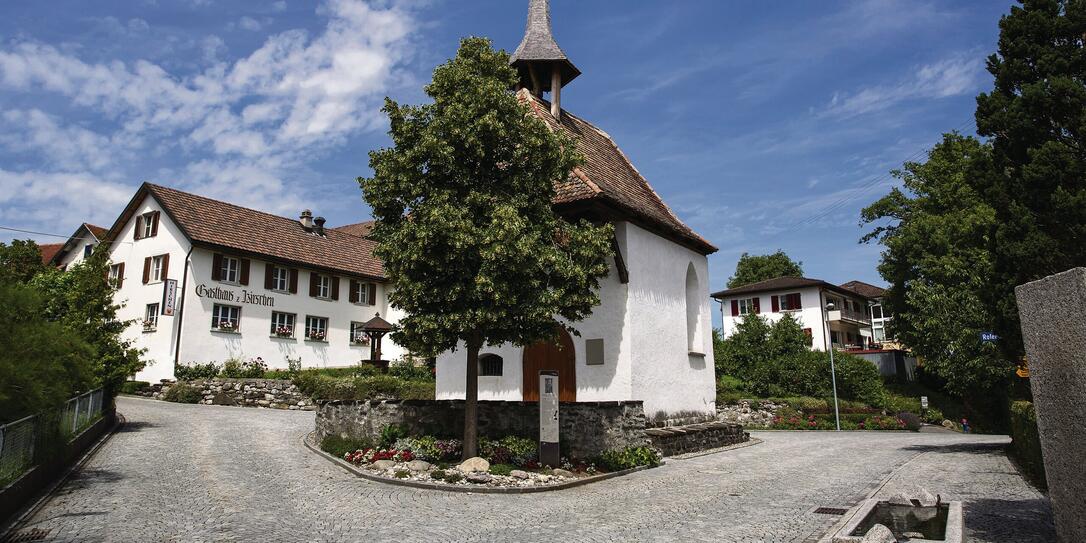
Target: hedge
[[375, 387], [1026, 441]]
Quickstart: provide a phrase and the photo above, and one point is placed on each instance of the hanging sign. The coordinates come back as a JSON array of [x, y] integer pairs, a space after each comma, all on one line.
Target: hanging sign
[[548, 419], [169, 297]]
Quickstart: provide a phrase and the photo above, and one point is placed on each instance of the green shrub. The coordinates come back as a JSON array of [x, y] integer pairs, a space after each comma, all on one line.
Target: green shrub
[[402, 474], [390, 433], [912, 421], [236, 368], [932, 416], [194, 371], [453, 477], [438, 474], [378, 387], [407, 370], [1026, 441], [630, 457], [896, 403], [502, 469], [418, 390], [859, 380], [339, 446], [509, 450], [132, 387], [182, 393]]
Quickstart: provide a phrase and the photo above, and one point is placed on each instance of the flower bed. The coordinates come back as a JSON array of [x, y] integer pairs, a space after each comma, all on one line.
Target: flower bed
[[508, 462], [848, 422]]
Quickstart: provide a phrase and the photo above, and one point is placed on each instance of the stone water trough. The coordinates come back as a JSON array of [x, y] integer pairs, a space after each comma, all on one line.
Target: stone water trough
[[918, 518]]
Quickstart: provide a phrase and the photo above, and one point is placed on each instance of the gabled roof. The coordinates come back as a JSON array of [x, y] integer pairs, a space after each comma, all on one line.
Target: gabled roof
[[361, 229], [607, 176], [219, 225], [48, 251], [867, 290], [94, 233], [783, 283]]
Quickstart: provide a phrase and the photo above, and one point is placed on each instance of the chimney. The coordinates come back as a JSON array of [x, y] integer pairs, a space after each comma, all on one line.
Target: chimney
[[306, 219], [319, 228]]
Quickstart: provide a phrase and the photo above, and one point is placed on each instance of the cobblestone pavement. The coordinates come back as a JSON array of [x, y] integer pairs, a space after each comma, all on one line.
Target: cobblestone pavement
[[207, 473]]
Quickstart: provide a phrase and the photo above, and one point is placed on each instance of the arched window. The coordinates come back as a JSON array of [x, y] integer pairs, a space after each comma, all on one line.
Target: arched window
[[693, 311], [490, 365]]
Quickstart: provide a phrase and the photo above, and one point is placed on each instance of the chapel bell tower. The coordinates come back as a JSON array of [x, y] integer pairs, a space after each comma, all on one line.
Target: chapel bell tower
[[542, 65]]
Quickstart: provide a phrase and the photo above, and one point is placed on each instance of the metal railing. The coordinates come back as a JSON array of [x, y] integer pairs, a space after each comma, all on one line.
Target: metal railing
[[22, 441]]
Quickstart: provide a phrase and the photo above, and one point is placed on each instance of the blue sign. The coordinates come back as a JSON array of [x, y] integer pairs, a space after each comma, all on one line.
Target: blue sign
[[988, 337]]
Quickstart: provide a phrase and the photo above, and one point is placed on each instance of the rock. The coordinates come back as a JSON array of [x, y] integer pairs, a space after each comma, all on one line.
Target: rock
[[925, 497], [879, 534], [221, 398], [479, 478], [948, 424], [475, 464], [518, 474], [419, 465], [900, 499], [384, 464], [562, 473]]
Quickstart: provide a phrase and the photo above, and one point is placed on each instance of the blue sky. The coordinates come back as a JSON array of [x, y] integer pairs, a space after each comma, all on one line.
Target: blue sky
[[764, 125]]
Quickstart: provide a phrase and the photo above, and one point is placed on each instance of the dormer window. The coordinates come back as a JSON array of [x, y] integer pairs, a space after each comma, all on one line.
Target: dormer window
[[88, 249], [147, 225]]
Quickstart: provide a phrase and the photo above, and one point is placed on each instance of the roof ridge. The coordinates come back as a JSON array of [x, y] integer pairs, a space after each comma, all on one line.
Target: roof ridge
[[223, 202]]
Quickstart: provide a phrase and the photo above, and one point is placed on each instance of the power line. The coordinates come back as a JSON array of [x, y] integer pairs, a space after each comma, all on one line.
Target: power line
[[20, 230]]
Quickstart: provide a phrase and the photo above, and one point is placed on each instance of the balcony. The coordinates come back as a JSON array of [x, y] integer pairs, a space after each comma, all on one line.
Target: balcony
[[848, 315]]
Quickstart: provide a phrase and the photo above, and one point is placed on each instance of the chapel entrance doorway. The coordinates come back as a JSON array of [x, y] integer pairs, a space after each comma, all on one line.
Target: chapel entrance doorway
[[547, 355]]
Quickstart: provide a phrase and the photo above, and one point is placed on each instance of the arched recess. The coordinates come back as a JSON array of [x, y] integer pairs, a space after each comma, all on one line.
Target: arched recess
[[694, 332], [547, 355]]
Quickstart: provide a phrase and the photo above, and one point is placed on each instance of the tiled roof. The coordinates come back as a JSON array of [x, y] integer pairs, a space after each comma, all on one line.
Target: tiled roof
[[226, 226], [866, 290], [97, 231], [783, 283], [361, 229], [608, 175], [48, 251]]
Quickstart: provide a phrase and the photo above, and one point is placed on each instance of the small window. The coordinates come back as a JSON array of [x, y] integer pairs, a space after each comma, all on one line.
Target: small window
[[490, 365], [790, 302], [282, 324], [280, 278], [359, 337], [748, 306], [316, 328], [879, 334], [115, 272], [834, 337], [150, 317], [226, 318], [156, 268], [148, 225], [87, 250], [361, 292], [324, 286], [229, 270]]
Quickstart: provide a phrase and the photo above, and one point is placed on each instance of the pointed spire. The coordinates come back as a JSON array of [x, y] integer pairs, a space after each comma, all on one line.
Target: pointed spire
[[538, 56]]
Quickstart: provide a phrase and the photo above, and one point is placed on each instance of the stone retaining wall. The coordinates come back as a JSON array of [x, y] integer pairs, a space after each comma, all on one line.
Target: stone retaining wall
[[587, 428], [269, 393], [696, 437], [759, 415]]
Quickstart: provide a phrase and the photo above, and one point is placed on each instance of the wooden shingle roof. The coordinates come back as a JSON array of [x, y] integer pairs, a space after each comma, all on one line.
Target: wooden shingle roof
[[223, 226]]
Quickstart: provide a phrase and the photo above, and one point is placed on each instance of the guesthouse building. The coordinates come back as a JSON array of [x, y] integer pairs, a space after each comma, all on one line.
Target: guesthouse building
[[205, 281]]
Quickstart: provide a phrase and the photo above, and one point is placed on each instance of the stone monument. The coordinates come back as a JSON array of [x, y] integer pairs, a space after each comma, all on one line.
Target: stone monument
[[1053, 313]]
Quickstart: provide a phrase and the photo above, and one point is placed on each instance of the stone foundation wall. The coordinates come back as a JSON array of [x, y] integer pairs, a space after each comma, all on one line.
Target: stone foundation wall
[[696, 437], [587, 428], [269, 393]]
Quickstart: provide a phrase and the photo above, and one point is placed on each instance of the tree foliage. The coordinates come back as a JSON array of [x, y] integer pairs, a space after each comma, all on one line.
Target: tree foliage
[[935, 230], [754, 268], [471, 245], [1036, 117], [20, 261]]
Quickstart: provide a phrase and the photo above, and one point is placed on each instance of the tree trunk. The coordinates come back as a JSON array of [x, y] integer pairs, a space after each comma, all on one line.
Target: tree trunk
[[471, 400]]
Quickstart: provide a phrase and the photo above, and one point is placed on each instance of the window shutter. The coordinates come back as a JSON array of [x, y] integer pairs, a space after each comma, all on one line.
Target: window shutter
[[269, 276], [371, 292], [294, 281], [795, 301], [757, 305], [335, 288], [775, 301], [216, 267], [352, 294], [139, 227], [735, 308], [146, 270], [165, 266], [313, 279], [120, 275], [154, 223], [244, 280]]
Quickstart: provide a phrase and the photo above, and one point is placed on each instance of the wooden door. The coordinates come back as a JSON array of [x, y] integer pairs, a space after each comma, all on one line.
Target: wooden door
[[547, 355]]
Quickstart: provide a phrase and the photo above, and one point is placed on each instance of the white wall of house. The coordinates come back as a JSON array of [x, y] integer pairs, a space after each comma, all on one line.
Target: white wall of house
[[254, 338], [78, 253], [811, 315], [643, 325]]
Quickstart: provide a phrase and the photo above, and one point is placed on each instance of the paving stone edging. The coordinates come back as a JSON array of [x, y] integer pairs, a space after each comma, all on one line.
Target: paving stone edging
[[458, 488]]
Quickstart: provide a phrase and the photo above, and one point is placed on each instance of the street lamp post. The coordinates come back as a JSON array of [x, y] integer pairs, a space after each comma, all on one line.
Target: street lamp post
[[833, 369]]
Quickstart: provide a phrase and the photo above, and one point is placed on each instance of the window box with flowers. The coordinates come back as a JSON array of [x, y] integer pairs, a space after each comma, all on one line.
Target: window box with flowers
[[226, 326], [284, 332], [362, 340], [316, 335], [149, 325]]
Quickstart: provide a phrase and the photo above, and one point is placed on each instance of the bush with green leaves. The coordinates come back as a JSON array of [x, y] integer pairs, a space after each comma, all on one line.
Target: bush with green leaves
[[453, 477], [339, 446], [509, 450], [196, 371], [321, 386], [630, 457], [408, 370], [183, 393], [501, 469], [438, 474], [389, 434], [236, 368], [132, 387]]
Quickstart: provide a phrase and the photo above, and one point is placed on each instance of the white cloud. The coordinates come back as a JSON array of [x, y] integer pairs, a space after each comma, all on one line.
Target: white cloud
[[952, 76], [35, 198], [278, 6], [249, 23], [247, 124]]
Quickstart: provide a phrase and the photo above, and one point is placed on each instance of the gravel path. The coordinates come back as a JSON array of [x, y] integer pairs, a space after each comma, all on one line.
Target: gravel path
[[207, 473]]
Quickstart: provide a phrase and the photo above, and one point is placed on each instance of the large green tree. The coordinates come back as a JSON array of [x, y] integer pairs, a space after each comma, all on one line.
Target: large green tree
[[472, 248], [20, 261], [935, 230], [1036, 118], [754, 268]]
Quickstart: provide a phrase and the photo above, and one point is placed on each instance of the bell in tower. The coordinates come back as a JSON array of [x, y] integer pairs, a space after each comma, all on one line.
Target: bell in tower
[[542, 65]]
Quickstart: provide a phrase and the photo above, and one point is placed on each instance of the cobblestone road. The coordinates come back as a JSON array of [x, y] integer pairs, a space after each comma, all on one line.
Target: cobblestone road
[[204, 473]]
